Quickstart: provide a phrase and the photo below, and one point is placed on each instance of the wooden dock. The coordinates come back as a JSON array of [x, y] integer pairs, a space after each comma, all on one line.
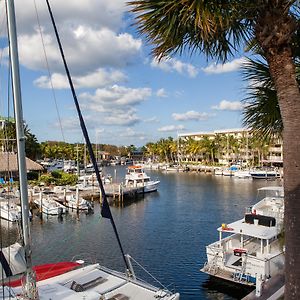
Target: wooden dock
[[113, 190]]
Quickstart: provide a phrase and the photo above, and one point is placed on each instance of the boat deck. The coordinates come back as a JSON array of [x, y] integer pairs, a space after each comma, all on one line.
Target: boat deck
[[93, 283]]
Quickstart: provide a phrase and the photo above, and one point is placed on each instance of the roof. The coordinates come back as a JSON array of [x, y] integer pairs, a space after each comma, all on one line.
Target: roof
[[258, 231], [9, 162]]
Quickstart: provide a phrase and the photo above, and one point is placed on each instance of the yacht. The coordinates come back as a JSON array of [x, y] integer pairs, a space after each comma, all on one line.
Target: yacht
[[249, 249], [136, 177]]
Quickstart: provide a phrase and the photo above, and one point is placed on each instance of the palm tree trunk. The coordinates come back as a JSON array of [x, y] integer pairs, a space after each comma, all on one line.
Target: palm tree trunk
[[283, 72]]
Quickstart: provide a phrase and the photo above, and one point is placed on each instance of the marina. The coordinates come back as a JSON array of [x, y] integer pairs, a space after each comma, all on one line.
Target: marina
[[180, 219]]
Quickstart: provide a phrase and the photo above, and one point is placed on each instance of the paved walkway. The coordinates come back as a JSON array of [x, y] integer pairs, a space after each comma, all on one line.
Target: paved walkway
[[272, 289]]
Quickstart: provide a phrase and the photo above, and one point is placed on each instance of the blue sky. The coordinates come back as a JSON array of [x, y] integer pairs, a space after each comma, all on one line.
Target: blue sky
[[126, 96]]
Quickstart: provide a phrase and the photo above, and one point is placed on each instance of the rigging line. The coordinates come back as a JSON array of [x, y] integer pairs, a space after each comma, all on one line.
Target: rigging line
[[105, 212], [49, 72]]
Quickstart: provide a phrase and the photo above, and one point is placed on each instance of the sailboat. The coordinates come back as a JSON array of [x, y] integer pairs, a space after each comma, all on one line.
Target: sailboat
[[85, 282]]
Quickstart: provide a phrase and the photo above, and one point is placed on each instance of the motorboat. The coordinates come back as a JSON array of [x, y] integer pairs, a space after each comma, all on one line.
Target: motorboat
[[218, 171], [10, 211], [136, 177], [265, 174], [49, 204], [249, 249], [242, 174], [76, 202]]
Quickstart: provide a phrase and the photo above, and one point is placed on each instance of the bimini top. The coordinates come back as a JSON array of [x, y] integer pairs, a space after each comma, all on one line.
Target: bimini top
[[258, 231]]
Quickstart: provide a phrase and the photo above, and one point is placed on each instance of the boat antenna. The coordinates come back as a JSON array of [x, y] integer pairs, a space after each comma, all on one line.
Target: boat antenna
[[105, 211], [30, 283]]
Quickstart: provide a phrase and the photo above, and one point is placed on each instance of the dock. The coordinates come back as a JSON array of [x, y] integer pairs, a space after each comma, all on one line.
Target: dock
[[272, 289]]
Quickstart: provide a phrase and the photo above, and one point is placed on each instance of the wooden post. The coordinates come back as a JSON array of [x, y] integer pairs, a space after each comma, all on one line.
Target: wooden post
[[41, 206]]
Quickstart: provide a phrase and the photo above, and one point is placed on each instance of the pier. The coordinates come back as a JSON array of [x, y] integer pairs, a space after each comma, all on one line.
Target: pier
[[271, 289]]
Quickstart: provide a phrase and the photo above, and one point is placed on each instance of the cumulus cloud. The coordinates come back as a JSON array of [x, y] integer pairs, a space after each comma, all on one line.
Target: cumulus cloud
[[115, 105], [224, 68], [130, 133], [100, 13], [174, 65], [99, 78], [151, 120], [229, 105], [117, 96], [85, 52], [191, 116], [161, 93], [170, 128], [91, 31]]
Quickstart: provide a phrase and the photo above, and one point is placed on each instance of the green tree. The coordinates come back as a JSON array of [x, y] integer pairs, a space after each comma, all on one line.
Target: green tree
[[9, 143], [218, 29]]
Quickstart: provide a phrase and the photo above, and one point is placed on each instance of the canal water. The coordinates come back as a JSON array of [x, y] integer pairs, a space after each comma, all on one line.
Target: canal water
[[166, 231]]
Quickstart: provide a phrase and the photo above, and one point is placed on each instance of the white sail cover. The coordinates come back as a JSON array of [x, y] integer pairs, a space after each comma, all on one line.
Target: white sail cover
[[12, 261]]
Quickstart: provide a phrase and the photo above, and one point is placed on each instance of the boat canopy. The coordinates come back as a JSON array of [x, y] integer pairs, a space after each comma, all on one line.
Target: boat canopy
[[259, 231]]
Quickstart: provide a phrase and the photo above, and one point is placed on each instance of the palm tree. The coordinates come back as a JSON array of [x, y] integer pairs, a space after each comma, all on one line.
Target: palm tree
[[217, 29]]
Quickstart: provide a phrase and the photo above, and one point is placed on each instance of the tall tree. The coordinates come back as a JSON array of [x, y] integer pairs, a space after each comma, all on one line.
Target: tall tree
[[218, 28]]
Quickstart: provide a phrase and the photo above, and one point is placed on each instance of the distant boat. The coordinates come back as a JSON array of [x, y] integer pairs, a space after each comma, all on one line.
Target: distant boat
[[242, 174], [174, 168], [76, 202], [264, 174], [136, 177], [49, 206]]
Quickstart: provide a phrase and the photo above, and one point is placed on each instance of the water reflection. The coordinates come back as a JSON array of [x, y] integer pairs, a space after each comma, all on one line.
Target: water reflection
[[166, 231]]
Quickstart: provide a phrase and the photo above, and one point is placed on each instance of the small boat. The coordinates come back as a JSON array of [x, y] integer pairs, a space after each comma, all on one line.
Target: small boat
[[76, 202], [250, 250], [218, 171], [265, 174], [242, 174], [10, 211], [136, 177], [49, 205], [174, 168]]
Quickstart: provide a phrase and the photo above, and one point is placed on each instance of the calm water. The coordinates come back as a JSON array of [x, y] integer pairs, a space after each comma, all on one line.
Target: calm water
[[165, 231]]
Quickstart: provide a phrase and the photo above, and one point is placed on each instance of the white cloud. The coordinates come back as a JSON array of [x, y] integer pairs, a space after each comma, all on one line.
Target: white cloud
[[96, 13], [170, 128], [91, 31], [191, 115], [117, 96], [93, 50], [172, 64], [224, 68], [99, 78], [130, 133], [114, 105], [229, 105], [151, 120], [161, 93]]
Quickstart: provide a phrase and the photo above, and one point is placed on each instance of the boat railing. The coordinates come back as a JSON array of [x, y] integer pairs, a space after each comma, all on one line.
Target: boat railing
[[130, 259]]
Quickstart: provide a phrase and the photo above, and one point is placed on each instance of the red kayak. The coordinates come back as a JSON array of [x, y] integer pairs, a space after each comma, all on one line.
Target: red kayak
[[47, 271]]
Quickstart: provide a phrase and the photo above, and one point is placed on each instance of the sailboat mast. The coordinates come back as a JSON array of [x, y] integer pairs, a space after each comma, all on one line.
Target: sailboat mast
[[13, 48]]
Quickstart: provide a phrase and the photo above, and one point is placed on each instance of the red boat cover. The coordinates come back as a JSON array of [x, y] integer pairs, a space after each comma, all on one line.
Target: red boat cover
[[47, 271]]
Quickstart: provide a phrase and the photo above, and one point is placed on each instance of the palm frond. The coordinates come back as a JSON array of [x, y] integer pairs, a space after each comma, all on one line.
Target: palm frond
[[212, 27]]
